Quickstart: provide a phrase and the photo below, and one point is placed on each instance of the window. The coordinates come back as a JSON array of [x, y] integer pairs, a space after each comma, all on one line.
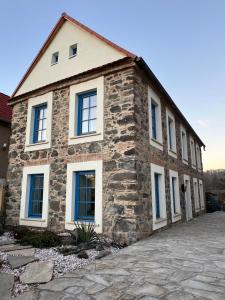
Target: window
[[55, 58], [175, 196], [36, 195], [155, 122], [201, 194], [73, 50], [87, 113], [196, 194], [40, 122], [85, 196], [199, 160], [193, 154], [84, 193], [158, 196], [171, 134], [184, 145]]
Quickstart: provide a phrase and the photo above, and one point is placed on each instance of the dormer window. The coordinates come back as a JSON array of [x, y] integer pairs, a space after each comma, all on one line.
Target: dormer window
[[55, 58], [73, 50]]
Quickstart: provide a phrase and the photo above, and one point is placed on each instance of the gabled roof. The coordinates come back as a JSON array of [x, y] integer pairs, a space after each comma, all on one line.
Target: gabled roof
[[58, 25], [5, 110]]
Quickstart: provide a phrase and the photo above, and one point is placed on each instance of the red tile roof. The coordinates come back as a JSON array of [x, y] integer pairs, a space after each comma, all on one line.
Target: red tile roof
[[5, 110]]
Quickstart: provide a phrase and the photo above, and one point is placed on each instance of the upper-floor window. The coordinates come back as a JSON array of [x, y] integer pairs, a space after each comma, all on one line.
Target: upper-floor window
[[55, 58], [199, 159], [193, 154], [171, 133], [87, 109], [73, 50], [184, 145], [40, 123], [155, 122]]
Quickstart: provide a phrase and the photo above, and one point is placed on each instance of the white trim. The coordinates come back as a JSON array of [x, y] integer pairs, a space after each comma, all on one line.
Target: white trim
[[188, 199], [184, 149], [193, 154], [152, 96], [70, 191], [158, 223], [83, 87], [196, 194], [24, 219], [172, 152], [32, 102], [201, 194], [177, 216]]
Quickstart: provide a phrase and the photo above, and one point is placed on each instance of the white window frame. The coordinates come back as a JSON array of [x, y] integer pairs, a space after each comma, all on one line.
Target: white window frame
[[75, 90], [24, 207], [196, 194], [74, 46], [172, 152], [152, 96], [97, 166], [32, 102], [201, 194], [193, 153], [53, 61], [184, 148], [175, 217], [198, 156], [158, 223]]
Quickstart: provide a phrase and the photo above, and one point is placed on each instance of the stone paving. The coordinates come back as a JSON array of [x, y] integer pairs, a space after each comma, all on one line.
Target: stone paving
[[185, 262]]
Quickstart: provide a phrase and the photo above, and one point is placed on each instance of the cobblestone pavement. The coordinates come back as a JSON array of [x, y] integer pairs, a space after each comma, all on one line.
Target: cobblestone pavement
[[185, 262]]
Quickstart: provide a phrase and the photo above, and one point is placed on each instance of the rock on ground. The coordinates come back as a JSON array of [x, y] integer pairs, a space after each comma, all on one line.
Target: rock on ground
[[6, 285], [37, 272], [19, 261]]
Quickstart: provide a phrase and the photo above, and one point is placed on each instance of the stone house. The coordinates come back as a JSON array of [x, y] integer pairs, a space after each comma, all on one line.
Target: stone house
[[95, 137], [5, 124]]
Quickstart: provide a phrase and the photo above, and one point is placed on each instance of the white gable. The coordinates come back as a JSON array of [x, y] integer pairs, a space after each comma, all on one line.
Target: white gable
[[91, 53]]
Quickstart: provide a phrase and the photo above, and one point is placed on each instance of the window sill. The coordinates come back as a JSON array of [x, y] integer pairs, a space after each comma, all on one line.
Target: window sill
[[33, 222], [33, 219], [156, 144], [172, 153], [53, 64], [84, 136], [71, 56], [185, 161], [93, 222], [160, 220], [37, 146]]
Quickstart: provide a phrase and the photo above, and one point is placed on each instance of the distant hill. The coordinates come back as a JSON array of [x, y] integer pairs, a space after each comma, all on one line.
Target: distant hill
[[215, 180]]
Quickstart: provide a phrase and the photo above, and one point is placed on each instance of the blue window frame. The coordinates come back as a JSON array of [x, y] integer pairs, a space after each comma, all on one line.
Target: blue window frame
[[85, 196], [36, 195], [157, 195], [40, 123], [170, 128], [174, 194], [87, 109], [154, 121]]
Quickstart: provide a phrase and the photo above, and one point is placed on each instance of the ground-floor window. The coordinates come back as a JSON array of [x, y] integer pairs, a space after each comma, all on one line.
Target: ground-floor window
[[85, 195], [201, 194], [196, 194], [35, 196], [174, 196], [158, 196]]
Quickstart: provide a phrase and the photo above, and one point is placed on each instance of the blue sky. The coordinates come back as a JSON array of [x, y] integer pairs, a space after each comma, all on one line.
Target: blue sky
[[182, 41]]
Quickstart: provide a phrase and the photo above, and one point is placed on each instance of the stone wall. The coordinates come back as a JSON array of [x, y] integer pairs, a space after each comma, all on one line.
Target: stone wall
[[125, 151]]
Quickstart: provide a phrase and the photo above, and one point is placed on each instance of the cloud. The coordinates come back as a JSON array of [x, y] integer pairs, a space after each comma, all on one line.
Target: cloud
[[203, 123]]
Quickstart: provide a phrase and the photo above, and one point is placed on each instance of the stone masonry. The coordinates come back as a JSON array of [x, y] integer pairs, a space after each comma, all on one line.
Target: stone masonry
[[125, 151]]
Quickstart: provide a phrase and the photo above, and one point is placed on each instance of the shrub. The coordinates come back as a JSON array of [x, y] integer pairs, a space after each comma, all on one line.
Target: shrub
[[45, 239], [21, 231], [84, 232]]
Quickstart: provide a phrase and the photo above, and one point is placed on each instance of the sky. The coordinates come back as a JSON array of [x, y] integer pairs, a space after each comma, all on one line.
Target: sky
[[182, 41]]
